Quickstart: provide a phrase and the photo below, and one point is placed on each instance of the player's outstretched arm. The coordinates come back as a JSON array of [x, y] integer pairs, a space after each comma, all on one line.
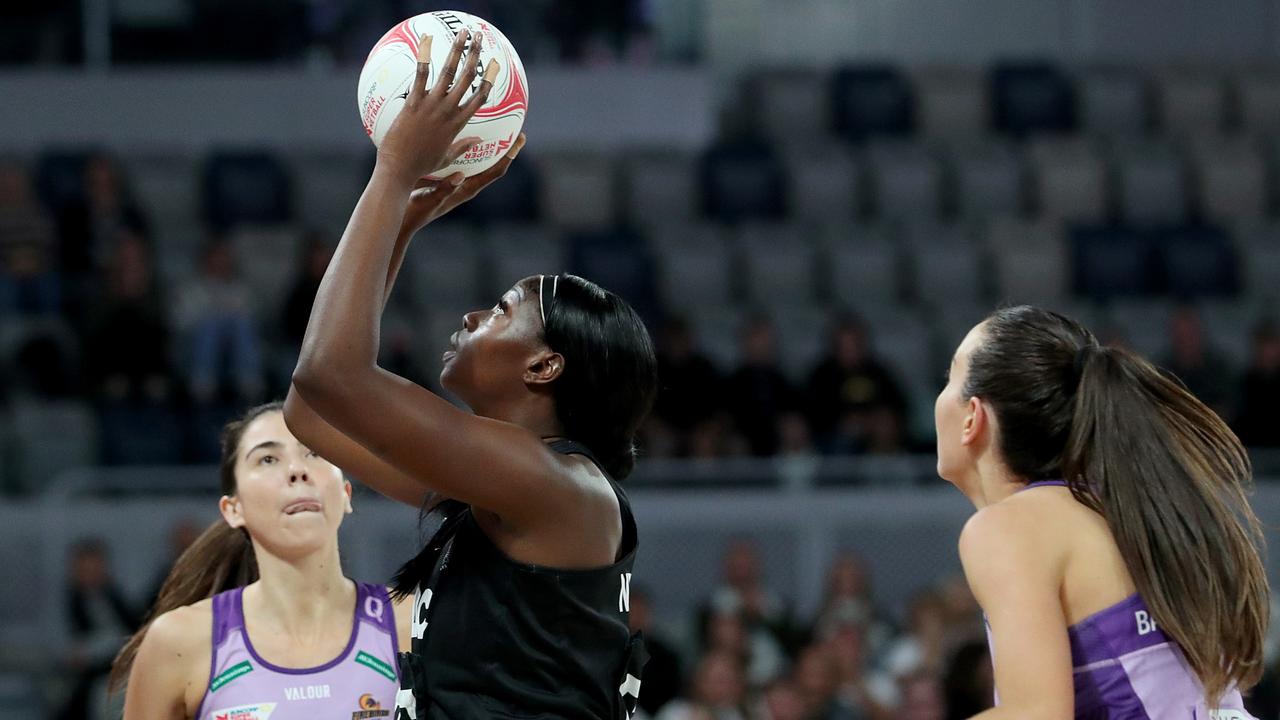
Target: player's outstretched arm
[[494, 465]]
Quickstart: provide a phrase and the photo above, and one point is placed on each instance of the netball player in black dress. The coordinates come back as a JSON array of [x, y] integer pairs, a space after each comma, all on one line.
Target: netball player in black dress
[[521, 593]]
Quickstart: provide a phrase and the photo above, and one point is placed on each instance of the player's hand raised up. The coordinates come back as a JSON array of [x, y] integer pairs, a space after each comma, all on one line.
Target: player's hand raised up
[[433, 198], [421, 138]]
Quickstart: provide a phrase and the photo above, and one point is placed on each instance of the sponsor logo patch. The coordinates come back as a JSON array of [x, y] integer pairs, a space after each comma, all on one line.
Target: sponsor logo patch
[[369, 708], [376, 665], [256, 711], [231, 673]]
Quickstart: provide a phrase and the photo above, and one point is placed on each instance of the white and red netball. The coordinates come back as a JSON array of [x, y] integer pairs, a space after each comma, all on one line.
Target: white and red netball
[[391, 65]]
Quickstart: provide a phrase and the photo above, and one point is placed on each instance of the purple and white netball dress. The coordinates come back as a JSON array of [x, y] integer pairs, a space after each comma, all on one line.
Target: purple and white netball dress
[[360, 683], [1126, 668]]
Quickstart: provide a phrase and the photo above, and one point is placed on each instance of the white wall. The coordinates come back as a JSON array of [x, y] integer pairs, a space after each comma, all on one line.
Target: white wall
[[189, 110], [749, 32]]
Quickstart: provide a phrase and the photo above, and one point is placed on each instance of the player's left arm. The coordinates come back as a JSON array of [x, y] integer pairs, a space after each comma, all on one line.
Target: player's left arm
[[1017, 584]]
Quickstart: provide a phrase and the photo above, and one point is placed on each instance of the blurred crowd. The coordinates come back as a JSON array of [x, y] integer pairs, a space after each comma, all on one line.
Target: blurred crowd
[[853, 402], [745, 653], [748, 656], [327, 31], [165, 359]]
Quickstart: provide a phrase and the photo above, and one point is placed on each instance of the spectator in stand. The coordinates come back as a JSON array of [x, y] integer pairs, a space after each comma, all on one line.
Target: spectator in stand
[[90, 225], [817, 677], [854, 402], [968, 682], [1260, 390], [662, 672], [742, 590], [782, 700], [963, 614], [688, 384], [1199, 366], [848, 599], [797, 460], [127, 353], [922, 698], [29, 280], [757, 393], [716, 438], [181, 535], [759, 652], [595, 32], [216, 314], [860, 689], [923, 647], [717, 691], [313, 261], [316, 253], [100, 621]]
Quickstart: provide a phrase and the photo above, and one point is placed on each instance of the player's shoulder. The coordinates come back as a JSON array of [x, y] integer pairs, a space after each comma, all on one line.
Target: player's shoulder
[[1024, 530], [186, 627], [1007, 525]]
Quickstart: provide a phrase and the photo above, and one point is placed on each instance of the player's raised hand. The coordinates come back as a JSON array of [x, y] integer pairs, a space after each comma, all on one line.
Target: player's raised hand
[[433, 198], [421, 138]]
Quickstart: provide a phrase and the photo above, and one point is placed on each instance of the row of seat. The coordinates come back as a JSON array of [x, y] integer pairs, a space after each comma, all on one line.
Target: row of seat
[[673, 266], [857, 102], [1077, 180], [44, 437]]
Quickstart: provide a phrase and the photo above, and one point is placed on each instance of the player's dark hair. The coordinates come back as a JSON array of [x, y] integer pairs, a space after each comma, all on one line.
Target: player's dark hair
[[610, 373], [1164, 470], [220, 559]]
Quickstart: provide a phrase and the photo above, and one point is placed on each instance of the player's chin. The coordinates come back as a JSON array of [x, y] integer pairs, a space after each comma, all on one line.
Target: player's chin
[[449, 376]]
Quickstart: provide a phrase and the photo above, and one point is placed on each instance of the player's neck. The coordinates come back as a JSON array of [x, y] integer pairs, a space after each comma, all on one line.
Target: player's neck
[[302, 592], [991, 482], [535, 414]]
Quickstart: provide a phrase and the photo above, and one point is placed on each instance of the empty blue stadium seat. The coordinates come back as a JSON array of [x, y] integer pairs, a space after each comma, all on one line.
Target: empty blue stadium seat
[[246, 188], [742, 181], [512, 200], [1112, 262], [871, 100], [618, 261], [1198, 262], [140, 434], [1031, 98], [59, 176]]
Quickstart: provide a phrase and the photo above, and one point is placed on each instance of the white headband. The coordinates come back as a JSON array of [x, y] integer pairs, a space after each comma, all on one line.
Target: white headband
[[555, 285]]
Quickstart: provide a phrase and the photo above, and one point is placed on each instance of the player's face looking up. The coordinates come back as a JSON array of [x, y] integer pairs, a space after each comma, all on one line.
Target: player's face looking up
[[500, 351], [289, 499]]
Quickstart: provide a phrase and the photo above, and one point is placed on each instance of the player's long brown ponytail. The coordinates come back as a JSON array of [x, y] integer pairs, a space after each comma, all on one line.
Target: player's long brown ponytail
[[220, 559], [1164, 470]]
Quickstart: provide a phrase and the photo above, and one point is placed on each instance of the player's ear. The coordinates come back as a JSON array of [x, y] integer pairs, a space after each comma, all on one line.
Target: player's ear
[[545, 367], [231, 510]]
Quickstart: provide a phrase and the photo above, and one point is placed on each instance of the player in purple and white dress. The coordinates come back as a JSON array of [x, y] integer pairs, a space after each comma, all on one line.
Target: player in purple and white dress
[[1133, 588], [256, 619]]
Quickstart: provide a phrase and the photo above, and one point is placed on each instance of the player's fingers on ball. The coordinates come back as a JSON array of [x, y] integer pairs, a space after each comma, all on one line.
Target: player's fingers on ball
[[482, 93], [451, 64], [468, 73], [517, 146], [459, 148], [454, 183], [424, 62]]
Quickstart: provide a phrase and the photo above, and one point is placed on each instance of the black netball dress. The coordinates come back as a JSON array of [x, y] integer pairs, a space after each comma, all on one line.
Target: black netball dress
[[496, 638]]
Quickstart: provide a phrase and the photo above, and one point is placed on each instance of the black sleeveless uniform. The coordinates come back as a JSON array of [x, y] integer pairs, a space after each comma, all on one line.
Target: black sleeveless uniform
[[495, 638]]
